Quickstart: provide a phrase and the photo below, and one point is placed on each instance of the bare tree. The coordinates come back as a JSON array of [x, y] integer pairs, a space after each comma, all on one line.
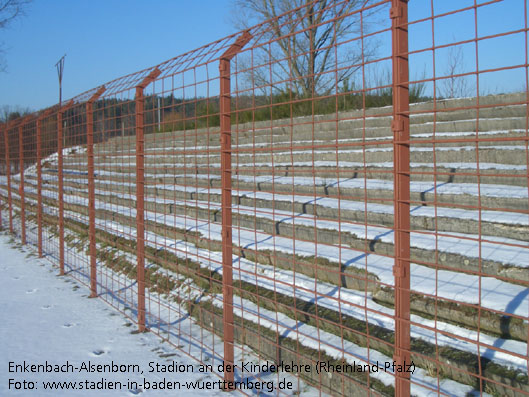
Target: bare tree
[[304, 43], [9, 11], [8, 113], [455, 86]]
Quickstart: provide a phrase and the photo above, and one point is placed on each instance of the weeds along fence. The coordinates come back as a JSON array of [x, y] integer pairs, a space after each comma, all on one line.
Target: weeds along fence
[[344, 184]]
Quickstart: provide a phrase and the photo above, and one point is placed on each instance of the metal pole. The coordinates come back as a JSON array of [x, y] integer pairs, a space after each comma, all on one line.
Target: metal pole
[[225, 164], [401, 137], [21, 185], [159, 115], [140, 226], [39, 186], [91, 190], [227, 249], [140, 203], [60, 68]]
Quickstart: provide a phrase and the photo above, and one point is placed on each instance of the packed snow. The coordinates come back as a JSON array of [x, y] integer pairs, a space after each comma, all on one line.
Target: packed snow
[[49, 321]]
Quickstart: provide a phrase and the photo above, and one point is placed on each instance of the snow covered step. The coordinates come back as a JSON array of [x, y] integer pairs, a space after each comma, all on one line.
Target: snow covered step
[[420, 114], [496, 112], [496, 256], [350, 125], [459, 195], [323, 199], [442, 219], [356, 128], [379, 190], [489, 173], [470, 124], [324, 132], [287, 142], [500, 154], [422, 177], [458, 172], [458, 245], [495, 102]]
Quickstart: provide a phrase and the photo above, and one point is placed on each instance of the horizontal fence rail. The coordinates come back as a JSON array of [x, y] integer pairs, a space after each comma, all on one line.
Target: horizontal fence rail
[[341, 192]]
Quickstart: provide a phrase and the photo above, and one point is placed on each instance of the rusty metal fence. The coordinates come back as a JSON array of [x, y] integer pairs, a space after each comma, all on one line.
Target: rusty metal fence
[[340, 191]]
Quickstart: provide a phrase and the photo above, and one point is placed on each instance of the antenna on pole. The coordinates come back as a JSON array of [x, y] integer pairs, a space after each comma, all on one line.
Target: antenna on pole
[[60, 68]]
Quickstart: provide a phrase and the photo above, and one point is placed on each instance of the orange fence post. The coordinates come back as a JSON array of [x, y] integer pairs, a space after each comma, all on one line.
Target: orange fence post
[[91, 190], [39, 186], [61, 192], [140, 203], [60, 177], [226, 198], [8, 175], [401, 144], [39, 181], [21, 184]]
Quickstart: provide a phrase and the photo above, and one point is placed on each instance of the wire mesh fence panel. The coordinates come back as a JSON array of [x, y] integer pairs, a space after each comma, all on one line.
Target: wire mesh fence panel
[[13, 147], [46, 186], [312, 163], [74, 176], [469, 193], [114, 236], [179, 231], [29, 156], [334, 201]]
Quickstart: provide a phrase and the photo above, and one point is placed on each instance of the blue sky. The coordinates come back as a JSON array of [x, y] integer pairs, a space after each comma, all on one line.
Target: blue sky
[[105, 39]]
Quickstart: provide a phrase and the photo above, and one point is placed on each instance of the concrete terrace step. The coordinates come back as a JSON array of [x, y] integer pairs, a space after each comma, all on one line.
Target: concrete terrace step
[[376, 190], [489, 173], [320, 217], [327, 131], [500, 112], [497, 153], [164, 166], [163, 199], [288, 142], [503, 162]]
